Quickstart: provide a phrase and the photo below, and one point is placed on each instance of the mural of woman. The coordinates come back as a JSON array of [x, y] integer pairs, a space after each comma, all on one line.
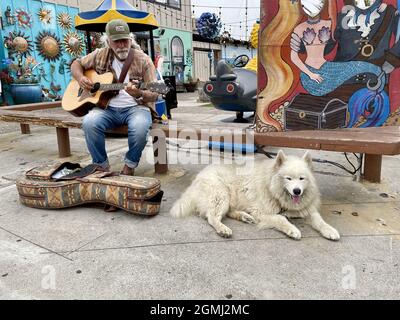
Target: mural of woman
[[319, 76], [299, 45]]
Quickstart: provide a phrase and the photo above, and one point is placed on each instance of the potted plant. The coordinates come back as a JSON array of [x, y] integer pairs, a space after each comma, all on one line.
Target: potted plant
[[6, 80], [191, 85], [24, 85]]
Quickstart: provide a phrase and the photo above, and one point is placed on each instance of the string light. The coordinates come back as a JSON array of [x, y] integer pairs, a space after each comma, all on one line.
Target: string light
[[169, 12], [247, 30], [217, 7], [194, 6], [233, 23]]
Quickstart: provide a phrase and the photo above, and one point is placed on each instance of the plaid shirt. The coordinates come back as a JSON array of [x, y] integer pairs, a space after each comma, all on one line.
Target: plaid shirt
[[141, 68]]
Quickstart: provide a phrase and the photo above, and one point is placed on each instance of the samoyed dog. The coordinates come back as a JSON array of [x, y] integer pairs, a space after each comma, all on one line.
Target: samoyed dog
[[271, 191]]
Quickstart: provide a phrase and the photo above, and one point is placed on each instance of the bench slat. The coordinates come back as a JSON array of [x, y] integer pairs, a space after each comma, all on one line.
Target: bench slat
[[383, 141], [35, 118], [33, 106]]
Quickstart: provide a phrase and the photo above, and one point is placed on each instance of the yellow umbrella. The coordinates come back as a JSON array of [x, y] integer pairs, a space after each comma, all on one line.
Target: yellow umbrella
[[115, 9]]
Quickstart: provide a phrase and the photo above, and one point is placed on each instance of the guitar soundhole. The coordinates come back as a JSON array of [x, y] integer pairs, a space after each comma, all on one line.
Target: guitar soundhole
[[80, 92], [95, 88]]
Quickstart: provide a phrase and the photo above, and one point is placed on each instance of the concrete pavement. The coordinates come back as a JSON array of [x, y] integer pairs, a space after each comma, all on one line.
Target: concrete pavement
[[86, 253]]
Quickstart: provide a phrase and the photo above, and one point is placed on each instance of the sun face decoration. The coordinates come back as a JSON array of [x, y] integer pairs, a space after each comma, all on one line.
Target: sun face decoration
[[73, 44], [48, 45], [44, 15], [18, 43], [24, 19], [64, 20]]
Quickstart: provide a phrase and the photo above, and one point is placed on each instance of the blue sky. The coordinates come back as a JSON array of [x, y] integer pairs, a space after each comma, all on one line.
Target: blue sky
[[233, 12]]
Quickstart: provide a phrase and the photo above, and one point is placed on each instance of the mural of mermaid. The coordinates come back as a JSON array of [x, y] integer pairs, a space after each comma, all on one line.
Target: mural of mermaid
[[321, 54], [318, 76]]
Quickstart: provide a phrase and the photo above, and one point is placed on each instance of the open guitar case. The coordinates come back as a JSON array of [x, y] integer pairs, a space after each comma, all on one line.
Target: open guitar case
[[64, 185]]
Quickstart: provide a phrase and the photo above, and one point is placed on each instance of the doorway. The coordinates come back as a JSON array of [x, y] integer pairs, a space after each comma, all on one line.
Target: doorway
[[178, 58]]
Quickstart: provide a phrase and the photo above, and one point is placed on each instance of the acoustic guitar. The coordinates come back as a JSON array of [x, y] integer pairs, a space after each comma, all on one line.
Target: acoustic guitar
[[78, 101]]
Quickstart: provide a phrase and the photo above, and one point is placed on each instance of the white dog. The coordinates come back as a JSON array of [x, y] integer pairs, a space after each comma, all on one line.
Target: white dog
[[284, 186]]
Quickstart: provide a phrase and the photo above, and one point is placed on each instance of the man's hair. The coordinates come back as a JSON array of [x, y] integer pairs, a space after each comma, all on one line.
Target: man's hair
[[135, 45]]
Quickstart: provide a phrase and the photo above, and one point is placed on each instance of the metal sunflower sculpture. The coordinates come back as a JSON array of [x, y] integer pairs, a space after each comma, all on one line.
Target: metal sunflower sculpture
[[24, 19], [64, 20], [48, 45], [44, 15], [73, 44], [18, 43]]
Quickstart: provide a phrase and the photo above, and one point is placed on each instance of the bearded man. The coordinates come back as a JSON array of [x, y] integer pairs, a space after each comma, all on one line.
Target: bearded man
[[131, 106]]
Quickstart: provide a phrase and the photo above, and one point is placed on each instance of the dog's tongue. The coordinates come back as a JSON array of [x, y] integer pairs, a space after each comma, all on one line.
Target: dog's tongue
[[296, 199]]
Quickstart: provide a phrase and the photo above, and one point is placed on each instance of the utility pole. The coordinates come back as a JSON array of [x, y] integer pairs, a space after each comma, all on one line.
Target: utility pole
[[210, 56], [245, 36]]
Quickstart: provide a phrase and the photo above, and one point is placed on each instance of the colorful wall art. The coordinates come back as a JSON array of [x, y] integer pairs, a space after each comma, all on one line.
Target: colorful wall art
[[43, 32], [328, 64]]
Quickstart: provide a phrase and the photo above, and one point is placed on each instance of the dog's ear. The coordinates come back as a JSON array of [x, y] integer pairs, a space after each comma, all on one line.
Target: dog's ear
[[280, 159], [308, 159]]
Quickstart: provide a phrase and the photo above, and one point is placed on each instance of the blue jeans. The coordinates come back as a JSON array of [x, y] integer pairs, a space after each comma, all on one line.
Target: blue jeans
[[97, 121]]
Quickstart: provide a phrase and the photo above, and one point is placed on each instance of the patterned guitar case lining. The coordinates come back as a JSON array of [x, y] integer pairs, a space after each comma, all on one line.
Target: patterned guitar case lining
[[137, 195]]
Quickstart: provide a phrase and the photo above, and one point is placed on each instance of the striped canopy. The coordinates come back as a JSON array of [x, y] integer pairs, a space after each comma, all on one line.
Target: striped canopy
[[115, 9]]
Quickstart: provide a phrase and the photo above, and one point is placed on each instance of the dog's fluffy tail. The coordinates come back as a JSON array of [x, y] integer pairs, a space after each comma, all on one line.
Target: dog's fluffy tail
[[185, 206]]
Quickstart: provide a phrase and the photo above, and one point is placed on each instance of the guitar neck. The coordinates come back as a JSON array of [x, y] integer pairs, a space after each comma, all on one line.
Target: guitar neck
[[152, 86], [112, 86]]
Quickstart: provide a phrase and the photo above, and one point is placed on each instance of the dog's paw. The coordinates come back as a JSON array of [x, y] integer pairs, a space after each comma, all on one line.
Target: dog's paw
[[248, 218], [224, 232], [294, 233], [330, 233]]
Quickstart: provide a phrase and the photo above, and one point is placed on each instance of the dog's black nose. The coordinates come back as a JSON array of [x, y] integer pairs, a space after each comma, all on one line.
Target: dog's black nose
[[297, 191]]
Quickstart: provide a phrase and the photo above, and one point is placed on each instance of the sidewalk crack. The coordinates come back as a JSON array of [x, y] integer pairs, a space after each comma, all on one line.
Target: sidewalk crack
[[36, 244]]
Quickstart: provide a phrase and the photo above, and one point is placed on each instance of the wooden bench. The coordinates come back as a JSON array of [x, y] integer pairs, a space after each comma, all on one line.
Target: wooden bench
[[34, 114], [373, 142]]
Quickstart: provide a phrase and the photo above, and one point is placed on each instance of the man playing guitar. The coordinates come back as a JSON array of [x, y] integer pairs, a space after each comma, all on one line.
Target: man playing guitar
[[132, 107]]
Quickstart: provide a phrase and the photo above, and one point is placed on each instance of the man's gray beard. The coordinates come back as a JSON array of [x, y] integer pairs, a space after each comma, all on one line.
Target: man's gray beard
[[122, 55]]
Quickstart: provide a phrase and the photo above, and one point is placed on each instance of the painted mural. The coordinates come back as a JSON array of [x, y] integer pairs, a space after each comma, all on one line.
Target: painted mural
[[39, 35], [328, 64]]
